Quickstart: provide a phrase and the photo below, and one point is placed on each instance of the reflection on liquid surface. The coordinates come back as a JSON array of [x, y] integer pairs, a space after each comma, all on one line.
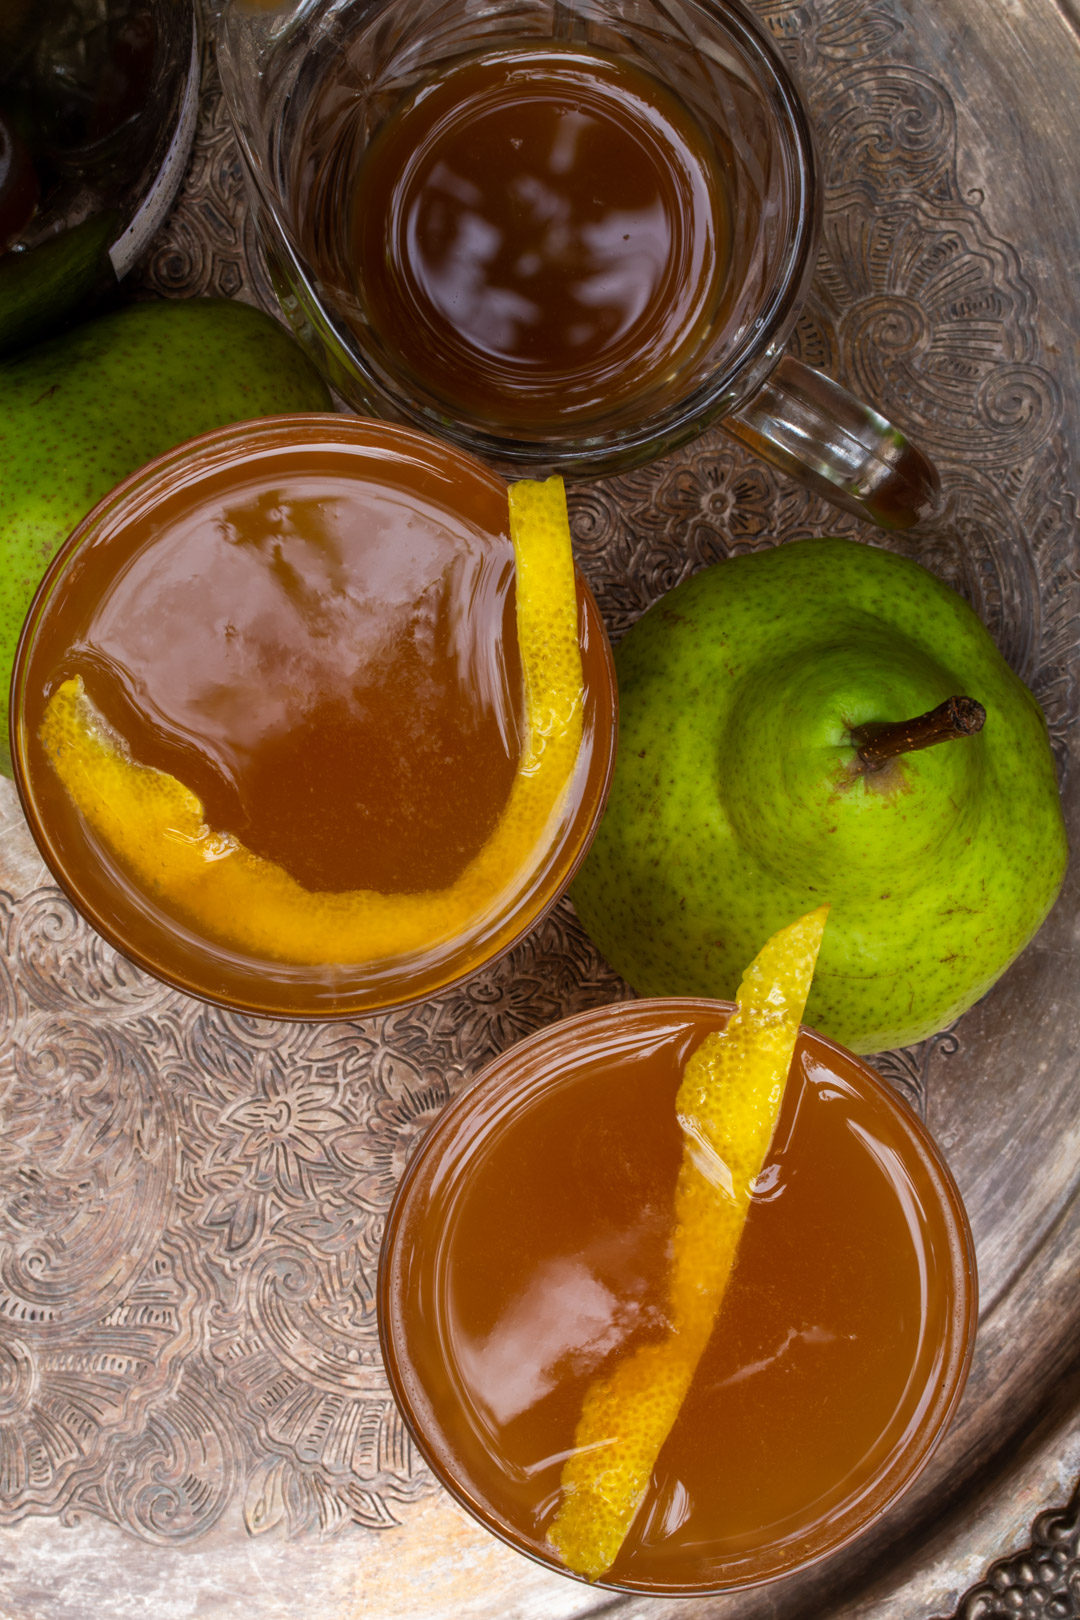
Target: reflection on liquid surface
[[840, 1341], [540, 232]]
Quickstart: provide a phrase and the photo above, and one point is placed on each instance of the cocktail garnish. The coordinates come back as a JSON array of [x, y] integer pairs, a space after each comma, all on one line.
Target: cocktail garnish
[[156, 824], [727, 1104]]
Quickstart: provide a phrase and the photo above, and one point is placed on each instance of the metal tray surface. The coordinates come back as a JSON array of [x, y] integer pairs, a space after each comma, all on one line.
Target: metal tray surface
[[194, 1420]]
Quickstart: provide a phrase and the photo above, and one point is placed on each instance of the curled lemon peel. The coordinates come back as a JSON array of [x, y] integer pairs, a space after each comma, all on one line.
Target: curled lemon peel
[[156, 825], [727, 1104]]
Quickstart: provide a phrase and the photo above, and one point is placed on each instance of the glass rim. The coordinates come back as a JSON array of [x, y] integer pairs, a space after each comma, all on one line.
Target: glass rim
[[552, 875], [509, 1073]]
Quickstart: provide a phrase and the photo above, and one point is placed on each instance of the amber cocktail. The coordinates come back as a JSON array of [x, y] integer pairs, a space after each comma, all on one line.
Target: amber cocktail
[[269, 720], [527, 1251]]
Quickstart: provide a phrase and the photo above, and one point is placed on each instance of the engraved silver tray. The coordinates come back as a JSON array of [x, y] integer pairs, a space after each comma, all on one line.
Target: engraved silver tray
[[194, 1421]]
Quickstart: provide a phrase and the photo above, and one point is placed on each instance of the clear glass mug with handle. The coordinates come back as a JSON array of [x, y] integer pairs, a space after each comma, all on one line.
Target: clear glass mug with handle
[[312, 86]]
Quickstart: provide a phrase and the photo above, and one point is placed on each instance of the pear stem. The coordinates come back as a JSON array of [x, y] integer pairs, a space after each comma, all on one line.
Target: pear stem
[[878, 742]]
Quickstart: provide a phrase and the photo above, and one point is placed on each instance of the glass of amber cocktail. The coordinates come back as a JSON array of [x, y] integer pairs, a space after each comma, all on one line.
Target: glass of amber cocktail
[[271, 723], [526, 1256]]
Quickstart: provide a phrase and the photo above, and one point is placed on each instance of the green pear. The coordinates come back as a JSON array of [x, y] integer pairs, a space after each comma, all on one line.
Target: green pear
[[741, 799], [83, 410]]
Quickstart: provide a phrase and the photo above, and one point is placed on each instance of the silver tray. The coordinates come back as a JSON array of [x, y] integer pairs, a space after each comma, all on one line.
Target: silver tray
[[194, 1420]]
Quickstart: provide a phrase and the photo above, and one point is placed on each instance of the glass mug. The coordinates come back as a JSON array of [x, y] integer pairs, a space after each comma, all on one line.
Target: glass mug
[[342, 106]]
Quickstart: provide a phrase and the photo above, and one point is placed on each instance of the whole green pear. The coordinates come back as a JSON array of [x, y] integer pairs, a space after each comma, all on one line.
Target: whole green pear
[[83, 410], [740, 800]]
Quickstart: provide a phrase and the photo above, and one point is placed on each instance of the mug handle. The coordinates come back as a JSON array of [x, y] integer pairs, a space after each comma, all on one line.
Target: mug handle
[[809, 426]]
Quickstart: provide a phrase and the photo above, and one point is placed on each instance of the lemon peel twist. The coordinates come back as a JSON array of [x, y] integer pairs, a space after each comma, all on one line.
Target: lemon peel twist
[[156, 825], [727, 1104]]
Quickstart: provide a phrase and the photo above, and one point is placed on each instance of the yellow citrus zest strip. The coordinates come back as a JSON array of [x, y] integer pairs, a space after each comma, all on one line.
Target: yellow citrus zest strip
[[727, 1104], [155, 823]]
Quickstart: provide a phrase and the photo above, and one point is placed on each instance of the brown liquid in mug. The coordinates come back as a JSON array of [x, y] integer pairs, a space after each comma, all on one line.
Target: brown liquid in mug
[[538, 235]]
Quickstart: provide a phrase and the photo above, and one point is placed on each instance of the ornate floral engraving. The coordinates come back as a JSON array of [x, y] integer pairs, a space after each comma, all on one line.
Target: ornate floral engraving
[[191, 1201], [1043, 1581], [908, 1068]]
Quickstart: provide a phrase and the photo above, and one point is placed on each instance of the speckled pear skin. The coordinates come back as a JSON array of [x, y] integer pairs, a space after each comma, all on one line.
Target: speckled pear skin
[[736, 807], [83, 410]]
